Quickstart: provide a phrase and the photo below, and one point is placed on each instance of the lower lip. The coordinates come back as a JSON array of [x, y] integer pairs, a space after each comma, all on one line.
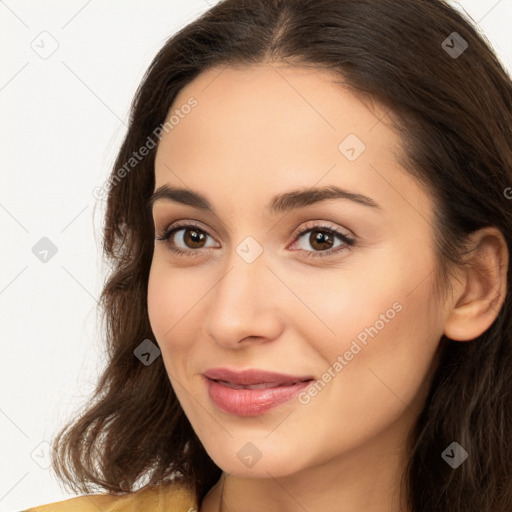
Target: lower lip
[[251, 402]]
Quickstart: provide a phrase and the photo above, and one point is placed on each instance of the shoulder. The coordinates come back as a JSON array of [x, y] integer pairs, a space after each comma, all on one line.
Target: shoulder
[[173, 497]]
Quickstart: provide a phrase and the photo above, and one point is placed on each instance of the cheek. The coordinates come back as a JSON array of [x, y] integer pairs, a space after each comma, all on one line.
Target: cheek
[[380, 331], [170, 295], [371, 384], [343, 302], [175, 307], [158, 300], [168, 302], [378, 290]]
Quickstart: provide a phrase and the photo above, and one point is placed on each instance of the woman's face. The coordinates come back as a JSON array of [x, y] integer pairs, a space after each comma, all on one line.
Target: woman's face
[[247, 292]]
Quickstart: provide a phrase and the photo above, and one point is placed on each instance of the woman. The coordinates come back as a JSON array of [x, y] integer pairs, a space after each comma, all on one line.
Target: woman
[[309, 224]]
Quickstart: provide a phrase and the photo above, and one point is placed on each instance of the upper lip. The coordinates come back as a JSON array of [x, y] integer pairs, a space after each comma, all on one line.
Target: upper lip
[[253, 376]]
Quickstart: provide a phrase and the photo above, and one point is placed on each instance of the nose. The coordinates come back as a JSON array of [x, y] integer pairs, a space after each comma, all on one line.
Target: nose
[[245, 305]]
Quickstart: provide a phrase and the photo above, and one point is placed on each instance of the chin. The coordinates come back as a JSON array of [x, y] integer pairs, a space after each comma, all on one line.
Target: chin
[[257, 458]]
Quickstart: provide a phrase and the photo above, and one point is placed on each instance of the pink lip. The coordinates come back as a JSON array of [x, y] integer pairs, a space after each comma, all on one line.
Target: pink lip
[[279, 388]]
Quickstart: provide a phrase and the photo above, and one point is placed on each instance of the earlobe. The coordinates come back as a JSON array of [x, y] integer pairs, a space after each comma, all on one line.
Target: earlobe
[[482, 292]]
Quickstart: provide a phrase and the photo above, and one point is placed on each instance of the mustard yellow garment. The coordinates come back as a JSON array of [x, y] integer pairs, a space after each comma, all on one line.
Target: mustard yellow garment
[[170, 498]]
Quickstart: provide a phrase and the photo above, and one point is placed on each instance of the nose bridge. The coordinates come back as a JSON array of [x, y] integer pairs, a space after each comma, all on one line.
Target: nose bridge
[[240, 304], [246, 271]]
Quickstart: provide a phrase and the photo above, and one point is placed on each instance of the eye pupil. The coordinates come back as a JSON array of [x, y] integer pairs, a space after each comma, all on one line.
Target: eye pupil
[[321, 237], [195, 236]]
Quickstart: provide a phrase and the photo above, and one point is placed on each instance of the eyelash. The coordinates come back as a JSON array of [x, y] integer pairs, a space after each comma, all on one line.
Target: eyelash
[[348, 242]]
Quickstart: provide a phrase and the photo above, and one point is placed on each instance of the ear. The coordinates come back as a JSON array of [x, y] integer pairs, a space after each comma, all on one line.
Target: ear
[[481, 292]]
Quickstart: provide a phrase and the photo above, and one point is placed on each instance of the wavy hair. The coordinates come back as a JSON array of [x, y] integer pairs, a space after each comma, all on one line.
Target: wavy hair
[[454, 116]]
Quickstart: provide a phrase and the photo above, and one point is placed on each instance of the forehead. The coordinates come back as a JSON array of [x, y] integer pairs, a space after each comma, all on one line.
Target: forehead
[[263, 100], [256, 127]]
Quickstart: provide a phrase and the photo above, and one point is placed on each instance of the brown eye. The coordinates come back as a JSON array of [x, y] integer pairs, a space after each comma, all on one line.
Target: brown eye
[[186, 239], [193, 238], [322, 241]]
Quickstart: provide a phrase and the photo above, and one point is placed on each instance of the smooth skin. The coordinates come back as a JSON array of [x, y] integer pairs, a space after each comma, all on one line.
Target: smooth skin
[[265, 130]]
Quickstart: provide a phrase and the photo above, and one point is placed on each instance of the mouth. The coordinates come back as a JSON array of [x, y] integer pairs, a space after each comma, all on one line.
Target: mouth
[[252, 392], [253, 377], [262, 385]]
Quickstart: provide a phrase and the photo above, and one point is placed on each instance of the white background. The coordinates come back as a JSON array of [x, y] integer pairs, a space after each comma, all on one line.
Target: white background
[[63, 118]]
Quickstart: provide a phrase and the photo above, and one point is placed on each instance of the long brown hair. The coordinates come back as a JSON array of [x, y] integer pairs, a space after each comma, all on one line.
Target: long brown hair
[[454, 115]]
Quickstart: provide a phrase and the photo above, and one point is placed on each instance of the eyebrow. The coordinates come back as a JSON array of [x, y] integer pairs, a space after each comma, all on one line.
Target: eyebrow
[[280, 203]]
